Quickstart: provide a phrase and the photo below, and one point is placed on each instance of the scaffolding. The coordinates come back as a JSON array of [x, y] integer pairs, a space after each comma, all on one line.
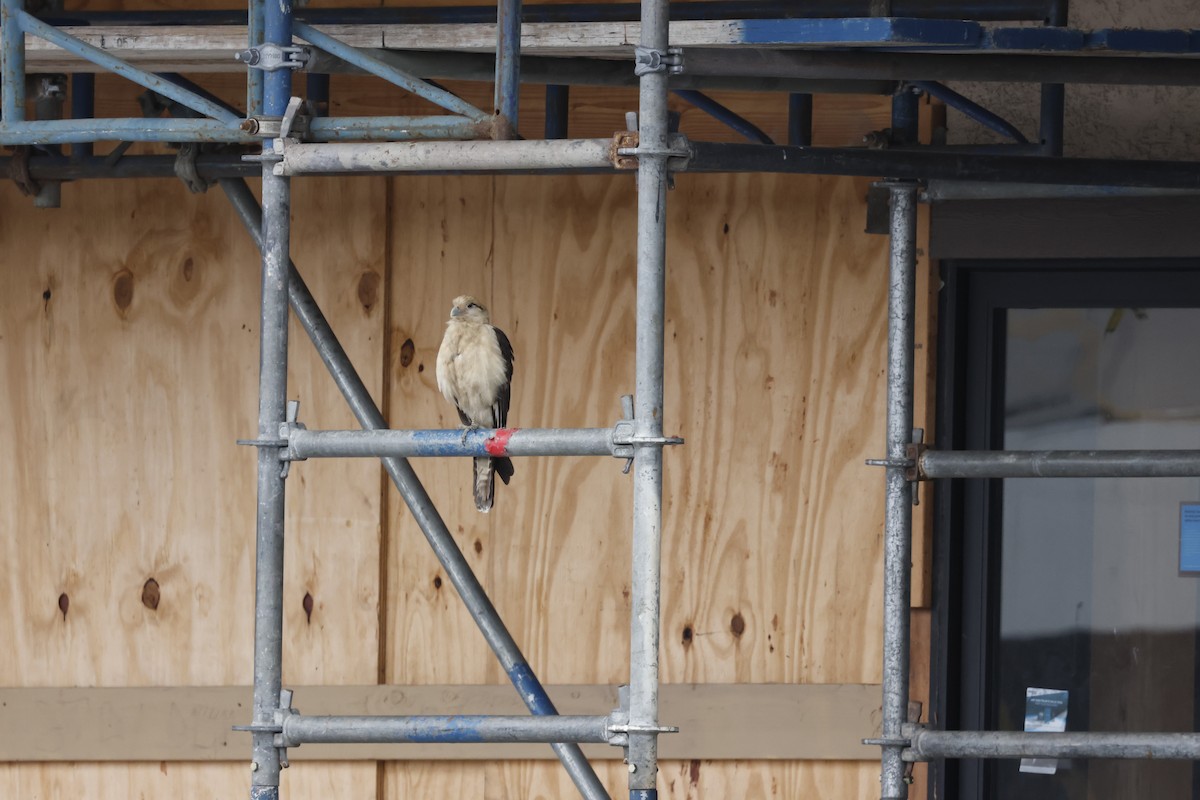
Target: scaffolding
[[899, 48]]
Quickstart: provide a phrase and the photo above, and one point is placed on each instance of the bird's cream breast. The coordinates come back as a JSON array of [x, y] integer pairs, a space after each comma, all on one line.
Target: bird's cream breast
[[470, 369]]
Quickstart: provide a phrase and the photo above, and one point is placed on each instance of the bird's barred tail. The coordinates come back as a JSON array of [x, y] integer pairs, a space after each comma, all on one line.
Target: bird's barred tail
[[485, 471], [485, 484]]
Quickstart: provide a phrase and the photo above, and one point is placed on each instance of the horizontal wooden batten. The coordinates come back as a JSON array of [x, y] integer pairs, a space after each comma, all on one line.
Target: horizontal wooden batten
[[716, 721]]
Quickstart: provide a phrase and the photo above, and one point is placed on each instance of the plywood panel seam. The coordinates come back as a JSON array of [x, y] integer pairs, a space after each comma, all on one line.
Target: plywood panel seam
[[385, 543]]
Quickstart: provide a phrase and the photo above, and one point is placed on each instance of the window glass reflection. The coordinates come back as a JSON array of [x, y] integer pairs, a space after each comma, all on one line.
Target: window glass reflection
[[1091, 597]]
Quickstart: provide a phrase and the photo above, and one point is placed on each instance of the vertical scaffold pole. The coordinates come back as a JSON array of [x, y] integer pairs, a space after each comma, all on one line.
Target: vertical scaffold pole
[[268, 595], [12, 62], [508, 67], [254, 77], [648, 407], [1054, 95], [898, 527]]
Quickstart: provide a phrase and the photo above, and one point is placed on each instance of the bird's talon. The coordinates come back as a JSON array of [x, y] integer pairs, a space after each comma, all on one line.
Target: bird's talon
[[467, 431]]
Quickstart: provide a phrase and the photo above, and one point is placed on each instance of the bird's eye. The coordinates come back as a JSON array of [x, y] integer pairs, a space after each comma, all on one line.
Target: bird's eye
[[472, 305]]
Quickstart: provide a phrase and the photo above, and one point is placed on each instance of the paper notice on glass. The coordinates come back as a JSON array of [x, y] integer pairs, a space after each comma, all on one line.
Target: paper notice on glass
[[1189, 538], [1045, 712]]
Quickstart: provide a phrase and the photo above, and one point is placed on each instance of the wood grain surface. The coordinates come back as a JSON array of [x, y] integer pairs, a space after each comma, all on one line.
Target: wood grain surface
[[128, 346]]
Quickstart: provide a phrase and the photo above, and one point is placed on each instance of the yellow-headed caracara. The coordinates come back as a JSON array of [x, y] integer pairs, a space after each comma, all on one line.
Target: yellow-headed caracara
[[474, 372]]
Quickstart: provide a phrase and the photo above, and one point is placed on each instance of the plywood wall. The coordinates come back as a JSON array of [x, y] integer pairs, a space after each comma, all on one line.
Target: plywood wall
[[128, 347], [128, 356]]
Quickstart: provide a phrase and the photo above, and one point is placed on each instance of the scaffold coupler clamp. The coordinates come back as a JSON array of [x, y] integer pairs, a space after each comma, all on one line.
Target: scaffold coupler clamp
[[647, 60], [284, 711], [627, 147], [903, 741], [278, 130], [625, 438], [282, 442], [185, 168], [286, 428], [910, 731], [911, 463], [618, 727], [270, 57], [18, 171]]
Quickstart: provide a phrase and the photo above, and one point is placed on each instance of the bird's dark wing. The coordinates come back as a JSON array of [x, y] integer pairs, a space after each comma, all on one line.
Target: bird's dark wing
[[500, 409], [465, 419]]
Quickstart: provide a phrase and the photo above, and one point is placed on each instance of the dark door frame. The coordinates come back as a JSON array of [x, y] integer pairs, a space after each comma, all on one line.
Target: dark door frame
[[970, 415]]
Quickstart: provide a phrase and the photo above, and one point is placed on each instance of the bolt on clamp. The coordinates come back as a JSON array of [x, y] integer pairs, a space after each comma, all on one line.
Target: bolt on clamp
[[270, 57], [627, 147], [625, 438], [911, 463], [285, 428], [618, 727], [275, 728], [647, 60], [285, 431]]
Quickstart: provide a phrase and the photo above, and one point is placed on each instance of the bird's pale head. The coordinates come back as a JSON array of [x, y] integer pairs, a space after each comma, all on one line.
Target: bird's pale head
[[467, 309]]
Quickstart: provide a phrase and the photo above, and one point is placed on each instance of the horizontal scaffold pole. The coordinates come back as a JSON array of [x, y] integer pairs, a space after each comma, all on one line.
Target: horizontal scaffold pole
[[445, 157], [930, 744], [471, 443], [924, 164], [563, 154], [900, 66], [299, 729], [1059, 464]]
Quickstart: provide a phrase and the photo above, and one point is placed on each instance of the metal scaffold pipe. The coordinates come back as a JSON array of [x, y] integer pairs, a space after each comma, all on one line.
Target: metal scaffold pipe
[[507, 93], [273, 359], [426, 515], [300, 729], [12, 61], [437, 156], [654, 61], [931, 744], [1059, 464], [898, 523], [498, 443], [904, 66]]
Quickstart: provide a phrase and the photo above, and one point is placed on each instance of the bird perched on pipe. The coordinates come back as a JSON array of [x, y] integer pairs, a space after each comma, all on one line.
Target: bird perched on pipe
[[474, 372]]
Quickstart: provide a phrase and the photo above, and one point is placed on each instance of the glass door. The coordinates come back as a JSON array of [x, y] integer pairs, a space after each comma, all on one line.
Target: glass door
[[1092, 598], [1063, 603]]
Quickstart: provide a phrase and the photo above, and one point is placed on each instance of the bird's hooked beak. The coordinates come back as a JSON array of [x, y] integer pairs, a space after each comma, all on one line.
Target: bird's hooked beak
[[456, 312]]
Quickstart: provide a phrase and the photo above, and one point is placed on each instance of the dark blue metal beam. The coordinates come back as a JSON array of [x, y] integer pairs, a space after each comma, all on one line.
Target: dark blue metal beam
[[558, 110], [994, 11], [316, 92], [800, 119], [920, 164], [83, 106], [988, 119], [905, 116], [1052, 116], [724, 115]]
